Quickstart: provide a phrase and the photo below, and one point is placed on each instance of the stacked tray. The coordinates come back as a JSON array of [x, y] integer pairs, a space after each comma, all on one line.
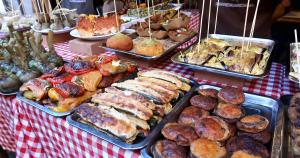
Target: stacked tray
[[140, 141], [254, 104], [268, 44]]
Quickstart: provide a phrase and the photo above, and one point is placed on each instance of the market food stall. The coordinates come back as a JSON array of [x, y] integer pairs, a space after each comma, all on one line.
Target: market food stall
[[105, 105]]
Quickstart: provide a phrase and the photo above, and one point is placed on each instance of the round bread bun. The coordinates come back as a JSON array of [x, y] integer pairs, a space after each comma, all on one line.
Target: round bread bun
[[149, 47], [207, 148], [120, 42]]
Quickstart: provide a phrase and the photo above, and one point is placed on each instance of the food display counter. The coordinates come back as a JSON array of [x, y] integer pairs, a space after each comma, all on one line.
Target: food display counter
[[31, 132]]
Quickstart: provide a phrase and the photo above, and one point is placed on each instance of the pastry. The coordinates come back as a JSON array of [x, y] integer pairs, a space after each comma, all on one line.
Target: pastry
[[182, 134], [209, 92], [149, 47], [213, 128], [206, 103], [168, 149], [229, 112], [231, 95], [253, 123], [207, 149], [120, 42], [190, 115]]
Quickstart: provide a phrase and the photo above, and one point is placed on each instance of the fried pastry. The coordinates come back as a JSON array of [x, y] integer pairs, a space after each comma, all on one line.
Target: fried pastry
[[207, 149], [231, 95], [263, 137], [209, 92], [191, 115], [182, 134], [213, 128], [253, 123], [168, 149], [206, 103], [229, 112]]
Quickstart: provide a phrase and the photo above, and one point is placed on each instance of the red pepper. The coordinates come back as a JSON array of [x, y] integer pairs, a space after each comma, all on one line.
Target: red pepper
[[60, 79], [104, 73], [62, 92], [106, 59], [69, 89], [131, 68], [53, 73]]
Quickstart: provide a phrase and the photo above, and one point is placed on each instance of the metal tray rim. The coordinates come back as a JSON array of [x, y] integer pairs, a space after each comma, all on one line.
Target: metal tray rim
[[43, 108], [155, 131], [278, 129], [149, 58], [9, 94], [227, 72]]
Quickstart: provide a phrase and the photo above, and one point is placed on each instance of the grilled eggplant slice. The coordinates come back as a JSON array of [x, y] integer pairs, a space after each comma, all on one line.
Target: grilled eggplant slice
[[162, 83], [161, 90], [182, 134], [191, 115], [168, 149], [149, 93], [213, 128], [124, 104], [109, 120], [133, 95], [253, 123], [181, 83], [207, 148]]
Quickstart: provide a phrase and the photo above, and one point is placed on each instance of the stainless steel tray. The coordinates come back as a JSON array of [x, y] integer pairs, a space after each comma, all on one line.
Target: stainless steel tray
[[232, 39], [140, 142], [148, 58], [8, 94], [42, 107], [59, 114], [254, 104], [287, 144]]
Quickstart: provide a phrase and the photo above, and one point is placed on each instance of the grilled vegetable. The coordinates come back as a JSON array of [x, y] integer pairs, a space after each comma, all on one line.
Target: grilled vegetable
[[35, 89]]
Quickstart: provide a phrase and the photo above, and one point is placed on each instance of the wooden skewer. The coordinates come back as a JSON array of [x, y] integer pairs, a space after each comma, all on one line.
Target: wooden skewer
[[297, 55], [153, 7], [50, 6], [253, 24], [149, 21], [39, 6], [59, 7], [12, 6], [245, 27], [178, 1], [116, 13], [200, 27], [44, 12], [21, 5], [35, 10], [208, 23], [216, 19], [138, 10]]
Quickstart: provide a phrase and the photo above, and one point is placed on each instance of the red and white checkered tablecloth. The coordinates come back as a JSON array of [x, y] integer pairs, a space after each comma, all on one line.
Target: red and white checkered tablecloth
[[38, 134], [7, 115]]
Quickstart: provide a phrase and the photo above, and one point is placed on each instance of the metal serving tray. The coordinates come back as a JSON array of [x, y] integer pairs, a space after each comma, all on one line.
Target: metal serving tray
[[254, 104], [288, 143], [8, 94], [42, 107], [58, 114], [139, 143], [232, 39], [148, 58]]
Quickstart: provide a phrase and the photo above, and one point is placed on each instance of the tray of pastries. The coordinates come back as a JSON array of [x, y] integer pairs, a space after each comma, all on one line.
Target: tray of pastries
[[292, 147], [59, 91], [129, 114], [168, 31], [221, 122], [222, 54]]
